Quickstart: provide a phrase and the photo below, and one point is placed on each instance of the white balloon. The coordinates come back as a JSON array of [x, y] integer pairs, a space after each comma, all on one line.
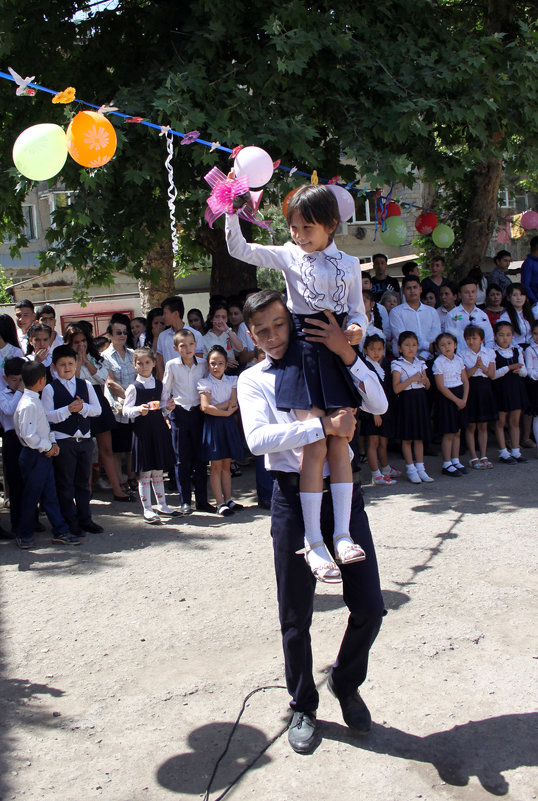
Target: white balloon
[[346, 203], [254, 163]]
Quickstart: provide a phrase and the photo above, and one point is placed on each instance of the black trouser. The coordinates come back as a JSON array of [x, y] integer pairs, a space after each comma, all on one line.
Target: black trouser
[[11, 450], [295, 588], [72, 469], [187, 428]]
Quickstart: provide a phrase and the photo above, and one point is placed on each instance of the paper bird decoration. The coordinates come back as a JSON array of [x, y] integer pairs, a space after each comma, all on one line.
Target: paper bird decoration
[[22, 84]]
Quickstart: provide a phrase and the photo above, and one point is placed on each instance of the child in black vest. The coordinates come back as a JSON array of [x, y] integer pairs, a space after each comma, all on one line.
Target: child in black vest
[[152, 440], [69, 403]]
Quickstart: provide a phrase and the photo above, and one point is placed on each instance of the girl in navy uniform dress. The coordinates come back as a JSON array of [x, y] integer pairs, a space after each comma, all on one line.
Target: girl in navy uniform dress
[[221, 441], [509, 390], [152, 452], [378, 429], [479, 363], [531, 363], [453, 388], [311, 380], [410, 382]]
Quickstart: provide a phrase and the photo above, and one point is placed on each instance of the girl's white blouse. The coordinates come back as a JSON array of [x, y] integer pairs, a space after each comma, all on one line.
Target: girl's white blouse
[[407, 369], [220, 390], [450, 369]]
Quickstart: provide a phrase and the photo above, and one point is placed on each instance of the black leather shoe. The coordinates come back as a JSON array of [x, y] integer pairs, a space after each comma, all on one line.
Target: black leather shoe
[[206, 507], [354, 711], [93, 528], [264, 504], [302, 732]]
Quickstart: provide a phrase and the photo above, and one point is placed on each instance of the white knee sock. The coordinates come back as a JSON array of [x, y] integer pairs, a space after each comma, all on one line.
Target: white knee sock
[[311, 506], [144, 490], [157, 482], [342, 496]]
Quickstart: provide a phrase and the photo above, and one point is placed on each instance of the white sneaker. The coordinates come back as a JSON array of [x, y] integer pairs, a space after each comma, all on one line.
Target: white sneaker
[[103, 484], [384, 480], [152, 518], [425, 477], [413, 476], [391, 471]]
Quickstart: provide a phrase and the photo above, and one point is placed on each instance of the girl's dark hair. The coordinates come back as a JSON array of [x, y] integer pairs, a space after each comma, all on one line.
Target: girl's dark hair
[[476, 273], [407, 335], [140, 320], [316, 204], [214, 307], [371, 338], [193, 311], [378, 322], [497, 327], [157, 312], [217, 349], [441, 336], [234, 300], [145, 351], [76, 328], [451, 285], [122, 319], [8, 331], [496, 287], [471, 330], [512, 313], [34, 329]]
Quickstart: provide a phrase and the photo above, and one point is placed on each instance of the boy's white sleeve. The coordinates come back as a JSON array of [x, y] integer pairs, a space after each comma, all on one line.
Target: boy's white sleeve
[[273, 256]]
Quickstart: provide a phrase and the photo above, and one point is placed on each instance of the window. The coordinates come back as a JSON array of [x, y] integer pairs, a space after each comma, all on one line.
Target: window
[[364, 210], [58, 200], [30, 222]]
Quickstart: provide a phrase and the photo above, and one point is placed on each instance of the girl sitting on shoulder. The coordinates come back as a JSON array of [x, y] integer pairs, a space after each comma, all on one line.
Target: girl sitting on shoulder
[[453, 387]]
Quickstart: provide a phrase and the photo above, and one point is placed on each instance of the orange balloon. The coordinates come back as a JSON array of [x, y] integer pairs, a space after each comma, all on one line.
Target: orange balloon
[[91, 139], [287, 200]]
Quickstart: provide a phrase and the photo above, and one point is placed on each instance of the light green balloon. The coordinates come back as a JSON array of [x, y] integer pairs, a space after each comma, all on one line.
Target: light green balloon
[[395, 233], [39, 152], [442, 235]]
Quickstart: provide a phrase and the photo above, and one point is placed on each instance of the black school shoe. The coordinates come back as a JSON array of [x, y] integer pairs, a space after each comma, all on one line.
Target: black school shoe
[[354, 711], [303, 732], [206, 507], [91, 527]]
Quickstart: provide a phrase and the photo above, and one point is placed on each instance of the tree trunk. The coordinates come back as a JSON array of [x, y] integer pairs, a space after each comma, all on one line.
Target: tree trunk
[[228, 276], [482, 216], [157, 280]]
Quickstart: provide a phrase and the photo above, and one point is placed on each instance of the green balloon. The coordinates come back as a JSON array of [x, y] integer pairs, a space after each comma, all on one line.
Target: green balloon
[[39, 152], [395, 233], [442, 235]]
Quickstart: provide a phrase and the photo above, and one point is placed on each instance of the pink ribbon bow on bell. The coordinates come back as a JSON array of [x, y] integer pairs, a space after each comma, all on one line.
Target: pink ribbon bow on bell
[[221, 200]]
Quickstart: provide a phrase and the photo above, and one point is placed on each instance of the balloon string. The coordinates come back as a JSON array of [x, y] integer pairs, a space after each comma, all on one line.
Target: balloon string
[[172, 191]]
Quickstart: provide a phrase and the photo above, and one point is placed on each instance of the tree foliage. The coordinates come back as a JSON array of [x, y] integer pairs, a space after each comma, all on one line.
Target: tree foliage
[[385, 91]]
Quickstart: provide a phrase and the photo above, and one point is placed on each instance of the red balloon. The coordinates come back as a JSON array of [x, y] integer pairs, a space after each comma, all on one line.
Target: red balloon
[[393, 210], [426, 222]]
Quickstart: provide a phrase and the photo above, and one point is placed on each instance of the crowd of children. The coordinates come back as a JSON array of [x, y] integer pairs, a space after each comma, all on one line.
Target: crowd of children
[[156, 396]]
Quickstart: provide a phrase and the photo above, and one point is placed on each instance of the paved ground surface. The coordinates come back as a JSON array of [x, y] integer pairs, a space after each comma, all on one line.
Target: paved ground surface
[[124, 663]]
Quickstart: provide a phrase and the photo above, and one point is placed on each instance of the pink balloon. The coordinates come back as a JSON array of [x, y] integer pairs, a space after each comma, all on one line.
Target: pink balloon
[[529, 220], [346, 203], [256, 164]]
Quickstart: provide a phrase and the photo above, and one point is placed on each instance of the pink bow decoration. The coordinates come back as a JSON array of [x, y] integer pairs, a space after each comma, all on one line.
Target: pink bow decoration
[[223, 193]]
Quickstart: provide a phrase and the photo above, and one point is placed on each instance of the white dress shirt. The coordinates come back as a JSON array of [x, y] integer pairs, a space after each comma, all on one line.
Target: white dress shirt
[[31, 424], [8, 403], [219, 389], [531, 361], [165, 343], [328, 279], [424, 322], [518, 339], [129, 409], [407, 369], [90, 409], [450, 369], [181, 381], [487, 355], [508, 353], [458, 319], [279, 435]]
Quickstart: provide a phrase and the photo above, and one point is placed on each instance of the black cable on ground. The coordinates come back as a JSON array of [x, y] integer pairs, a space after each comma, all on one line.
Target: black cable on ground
[[253, 762]]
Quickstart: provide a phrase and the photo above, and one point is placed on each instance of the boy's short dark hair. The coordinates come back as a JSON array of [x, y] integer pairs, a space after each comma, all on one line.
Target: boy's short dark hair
[[534, 243], [32, 372], [46, 308], [63, 352], [182, 334], [14, 365], [408, 267], [316, 204], [259, 301], [466, 281], [471, 330], [175, 304], [36, 328], [410, 279], [25, 303], [100, 342]]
